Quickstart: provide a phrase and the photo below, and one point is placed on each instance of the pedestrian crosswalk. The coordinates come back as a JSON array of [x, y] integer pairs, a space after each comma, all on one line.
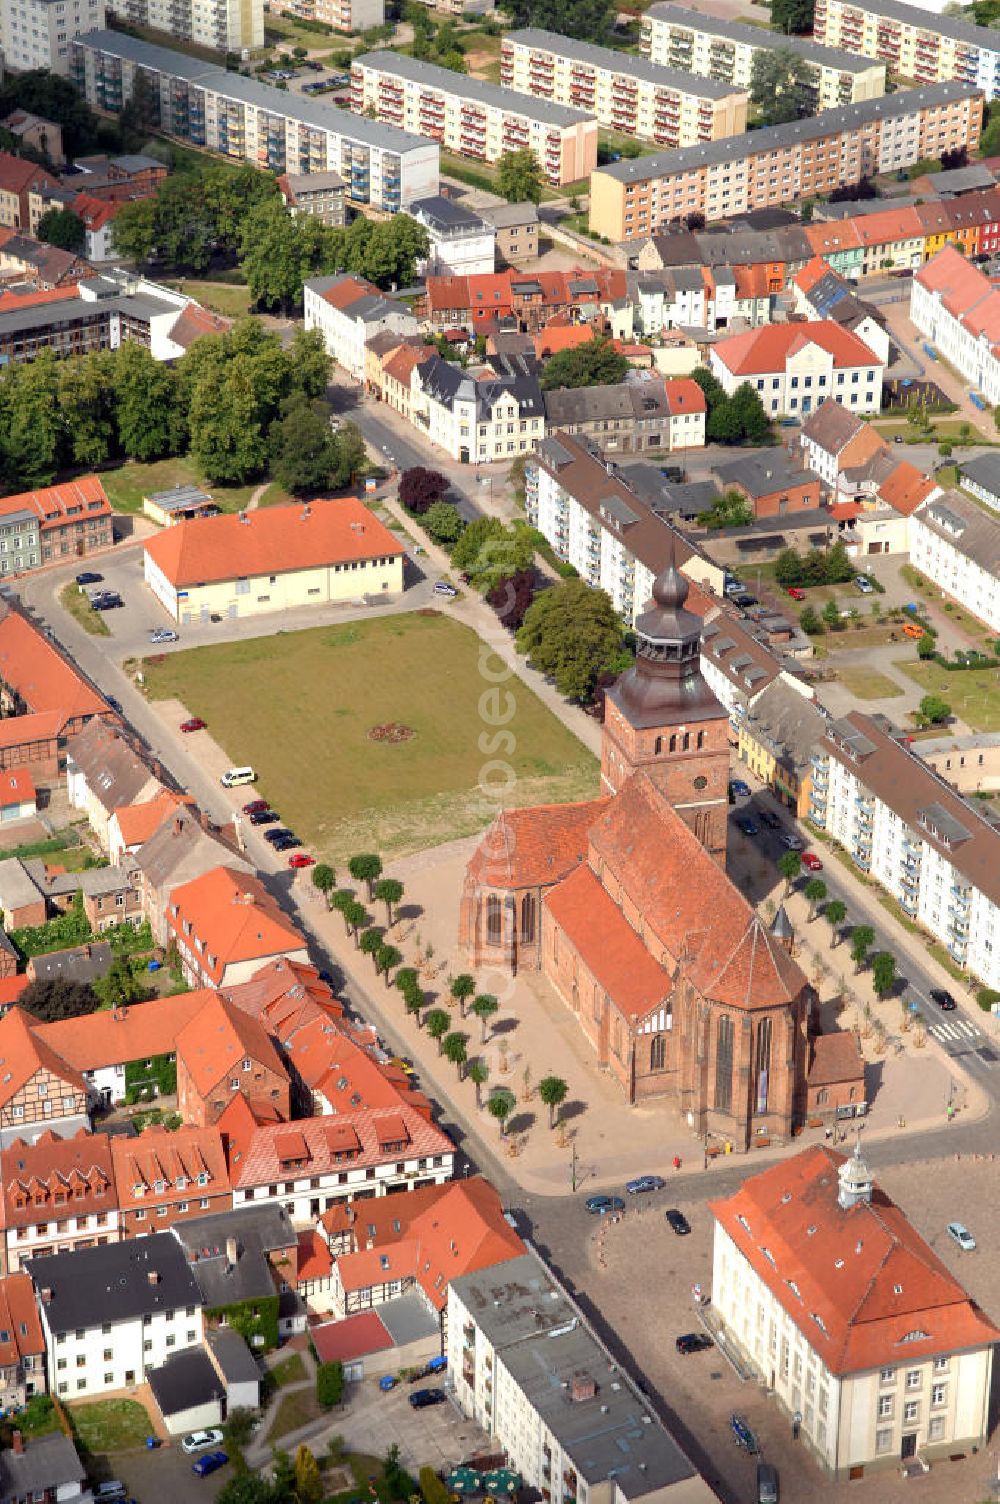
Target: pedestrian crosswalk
[[956, 1034]]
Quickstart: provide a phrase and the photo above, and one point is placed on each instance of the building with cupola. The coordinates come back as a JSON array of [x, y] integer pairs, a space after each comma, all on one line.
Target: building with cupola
[[823, 1291], [624, 905]]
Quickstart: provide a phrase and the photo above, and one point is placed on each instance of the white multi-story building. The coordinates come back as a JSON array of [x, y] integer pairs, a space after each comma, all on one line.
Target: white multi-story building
[[956, 545], [349, 311], [853, 1325], [39, 33], [793, 367], [626, 93], [957, 309], [935, 853], [222, 25], [476, 119], [460, 243], [526, 1367], [926, 48], [309, 1165], [476, 418], [697, 297], [248, 121], [609, 533], [113, 1312], [712, 47]]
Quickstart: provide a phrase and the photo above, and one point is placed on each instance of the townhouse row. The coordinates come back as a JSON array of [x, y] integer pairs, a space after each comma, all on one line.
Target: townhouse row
[[627, 94], [247, 121], [936, 853], [476, 119], [784, 164], [764, 262], [711, 47], [912, 42]]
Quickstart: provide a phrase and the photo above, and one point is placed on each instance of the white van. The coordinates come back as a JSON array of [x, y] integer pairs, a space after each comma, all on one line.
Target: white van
[[233, 777]]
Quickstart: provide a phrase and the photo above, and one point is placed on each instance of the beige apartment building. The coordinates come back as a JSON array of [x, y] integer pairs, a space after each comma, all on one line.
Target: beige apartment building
[[913, 43], [476, 119], [675, 37], [783, 164], [342, 15], [626, 93]]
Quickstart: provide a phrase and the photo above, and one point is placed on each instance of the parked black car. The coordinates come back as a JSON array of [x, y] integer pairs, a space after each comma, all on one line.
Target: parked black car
[[278, 833], [264, 817], [421, 1398]]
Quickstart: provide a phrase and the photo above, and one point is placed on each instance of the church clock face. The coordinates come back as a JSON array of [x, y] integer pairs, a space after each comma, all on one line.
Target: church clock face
[[701, 783]]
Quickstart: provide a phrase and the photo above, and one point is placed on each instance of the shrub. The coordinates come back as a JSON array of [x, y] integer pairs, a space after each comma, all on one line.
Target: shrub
[[431, 1487], [329, 1384], [986, 997]]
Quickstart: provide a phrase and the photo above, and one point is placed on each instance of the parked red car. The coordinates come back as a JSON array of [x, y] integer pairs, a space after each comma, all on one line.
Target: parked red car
[[194, 724], [299, 859], [256, 807], [796, 593], [811, 862]]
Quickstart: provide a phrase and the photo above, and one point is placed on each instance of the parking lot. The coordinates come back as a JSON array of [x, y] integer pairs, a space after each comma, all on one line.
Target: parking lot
[[439, 1435], [163, 1476]]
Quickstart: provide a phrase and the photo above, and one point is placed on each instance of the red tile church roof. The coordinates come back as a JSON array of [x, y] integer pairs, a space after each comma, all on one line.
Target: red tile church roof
[[530, 848], [607, 944]]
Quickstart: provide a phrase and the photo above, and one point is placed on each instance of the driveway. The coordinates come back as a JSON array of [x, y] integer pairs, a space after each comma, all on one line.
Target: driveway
[[165, 1476]]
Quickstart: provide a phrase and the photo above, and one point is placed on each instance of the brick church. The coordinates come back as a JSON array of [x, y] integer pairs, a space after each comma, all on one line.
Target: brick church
[[624, 904]]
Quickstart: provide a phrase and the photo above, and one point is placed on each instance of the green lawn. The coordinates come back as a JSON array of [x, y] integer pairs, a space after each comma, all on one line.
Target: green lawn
[[110, 1425], [290, 1370], [973, 694], [275, 496], [295, 1410], [956, 613], [867, 684], [299, 707], [74, 599], [232, 300], [167, 39], [127, 485]]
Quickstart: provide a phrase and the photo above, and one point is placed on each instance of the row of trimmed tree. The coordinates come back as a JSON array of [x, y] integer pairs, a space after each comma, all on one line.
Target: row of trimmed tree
[[862, 936]]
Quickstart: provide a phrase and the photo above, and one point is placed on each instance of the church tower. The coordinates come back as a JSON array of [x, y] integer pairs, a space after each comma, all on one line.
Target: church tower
[[662, 716]]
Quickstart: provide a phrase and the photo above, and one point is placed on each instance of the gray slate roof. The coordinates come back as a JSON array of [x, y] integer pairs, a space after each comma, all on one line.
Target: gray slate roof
[[758, 36], [964, 525], [625, 63], [81, 963], [47, 1462], [444, 214], [257, 1231], [17, 889], [111, 1282], [460, 85], [510, 216], [773, 137], [984, 470], [187, 1379], [787, 724], [763, 473]]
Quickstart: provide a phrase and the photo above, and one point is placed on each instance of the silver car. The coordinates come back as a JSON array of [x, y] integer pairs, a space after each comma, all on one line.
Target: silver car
[[960, 1234]]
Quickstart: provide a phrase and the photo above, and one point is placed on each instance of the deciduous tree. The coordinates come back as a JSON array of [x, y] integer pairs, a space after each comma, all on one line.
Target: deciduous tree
[[519, 177], [420, 488], [62, 228], [553, 1091], [835, 913], [501, 1104], [572, 633], [862, 940], [782, 86], [597, 363], [389, 890]]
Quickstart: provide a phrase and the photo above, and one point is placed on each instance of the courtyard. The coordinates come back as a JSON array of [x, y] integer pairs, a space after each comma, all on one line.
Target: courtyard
[[393, 759]]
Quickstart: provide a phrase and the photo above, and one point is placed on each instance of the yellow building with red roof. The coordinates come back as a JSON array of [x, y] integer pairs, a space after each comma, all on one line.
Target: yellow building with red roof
[[310, 554], [852, 1322]]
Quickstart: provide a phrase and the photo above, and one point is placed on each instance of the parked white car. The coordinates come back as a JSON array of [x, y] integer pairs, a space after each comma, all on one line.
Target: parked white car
[[197, 1441]]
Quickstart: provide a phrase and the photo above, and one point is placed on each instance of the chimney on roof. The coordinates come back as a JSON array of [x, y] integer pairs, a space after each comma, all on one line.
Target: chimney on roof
[[178, 825], [306, 512], [232, 1251], [582, 1388], [17, 1443], [47, 1295], [153, 1276]]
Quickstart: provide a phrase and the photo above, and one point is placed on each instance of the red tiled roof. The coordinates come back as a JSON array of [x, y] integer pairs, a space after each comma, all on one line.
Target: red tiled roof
[[314, 1261], [846, 511], [354, 1337], [828, 238], [814, 271], [137, 822], [275, 540], [534, 847], [348, 291], [21, 1333], [684, 396], [174, 1160], [10, 302], [116, 1036], [379, 1266], [16, 174], [608, 945], [834, 1058], [906, 488], [41, 676], [688, 903], [69, 1177], [261, 1162], [11, 989], [193, 322], [402, 363], [23, 1053], [555, 337], [52, 505], [217, 1038], [860, 1284], [234, 916], [16, 787], [767, 349]]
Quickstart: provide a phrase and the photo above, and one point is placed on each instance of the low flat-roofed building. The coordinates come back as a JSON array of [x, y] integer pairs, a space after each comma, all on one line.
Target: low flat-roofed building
[[180, 504], [461, 242], [527, 1367]]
